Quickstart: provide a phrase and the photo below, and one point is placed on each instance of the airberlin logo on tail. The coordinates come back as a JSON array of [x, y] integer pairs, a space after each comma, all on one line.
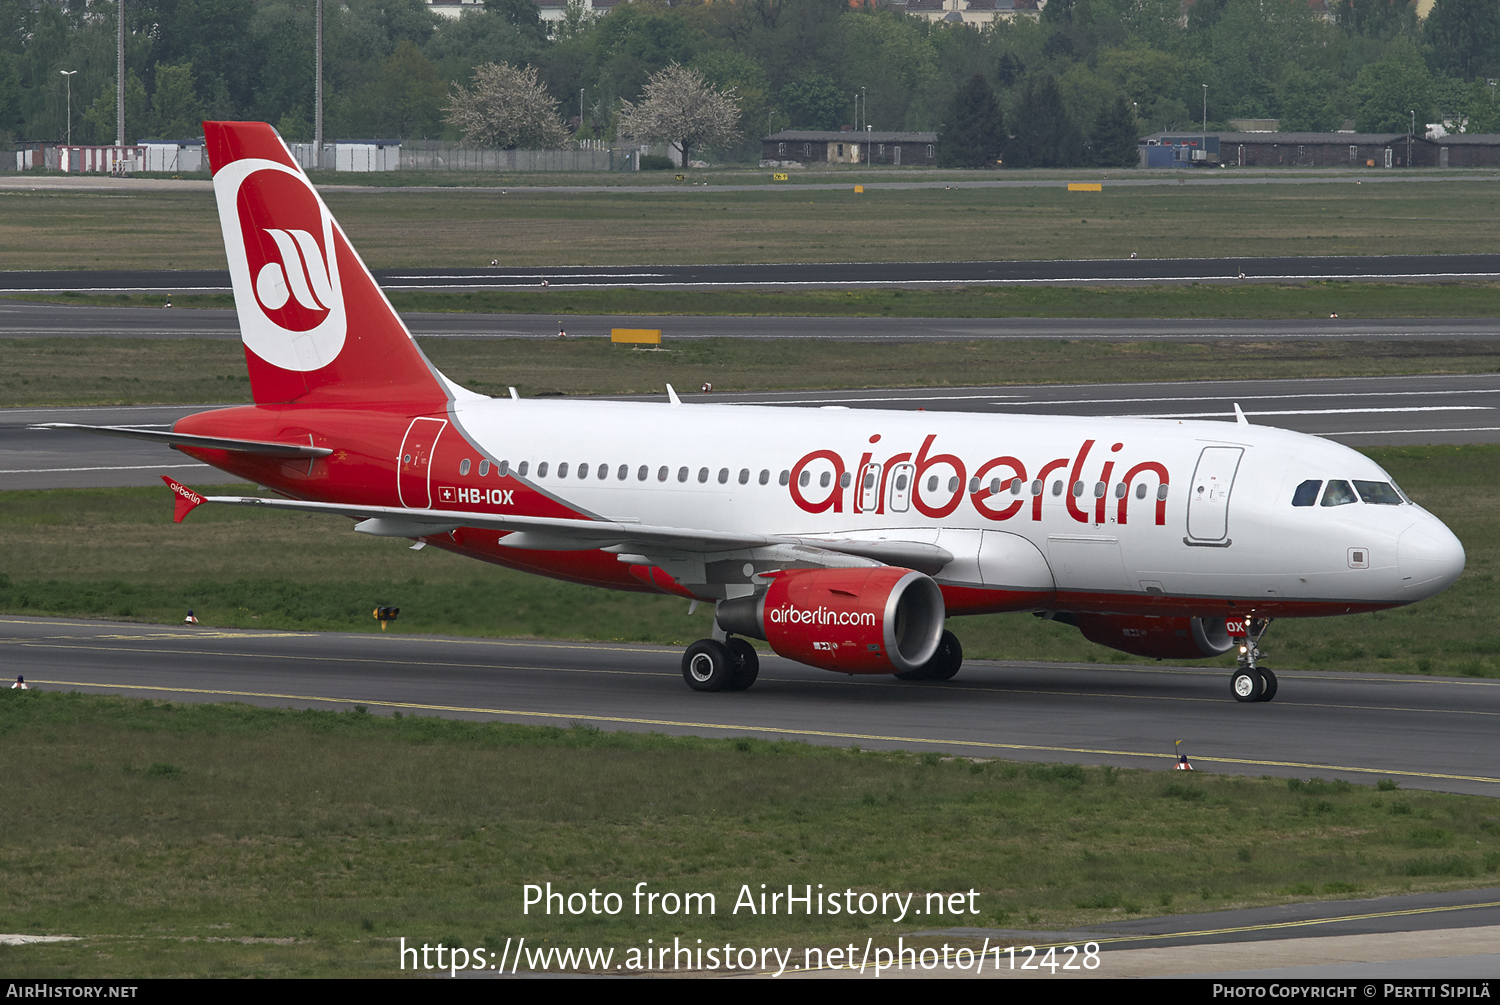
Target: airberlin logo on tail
[[283, 262], [301, 274]]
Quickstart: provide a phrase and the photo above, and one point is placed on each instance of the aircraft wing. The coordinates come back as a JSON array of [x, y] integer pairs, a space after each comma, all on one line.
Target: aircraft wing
[[555, 534], [262, 447]]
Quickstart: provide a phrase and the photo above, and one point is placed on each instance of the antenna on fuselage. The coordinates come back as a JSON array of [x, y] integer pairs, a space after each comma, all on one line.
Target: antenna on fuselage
[[1239, 416], [672, 395]]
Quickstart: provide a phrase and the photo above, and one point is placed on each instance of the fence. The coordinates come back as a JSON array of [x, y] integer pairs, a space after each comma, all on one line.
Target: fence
[[435, 155]]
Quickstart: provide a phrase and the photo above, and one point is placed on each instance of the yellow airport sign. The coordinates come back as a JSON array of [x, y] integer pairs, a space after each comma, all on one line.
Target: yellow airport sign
[[636, 336], [779, 176], [1085, 186]]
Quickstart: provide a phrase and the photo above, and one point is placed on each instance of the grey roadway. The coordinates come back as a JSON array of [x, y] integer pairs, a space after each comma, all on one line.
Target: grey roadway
[[1428, 733], [1359, 411], [20, 319]]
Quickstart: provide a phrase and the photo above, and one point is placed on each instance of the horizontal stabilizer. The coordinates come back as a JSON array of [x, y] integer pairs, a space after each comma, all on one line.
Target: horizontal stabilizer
[[209, 442]]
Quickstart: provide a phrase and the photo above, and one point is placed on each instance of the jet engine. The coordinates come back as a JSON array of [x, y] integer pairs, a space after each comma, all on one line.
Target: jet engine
[[1157, 638], [857, 620]]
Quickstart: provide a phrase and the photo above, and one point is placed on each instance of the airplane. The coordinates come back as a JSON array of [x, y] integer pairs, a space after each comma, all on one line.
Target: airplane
[[843, 538]]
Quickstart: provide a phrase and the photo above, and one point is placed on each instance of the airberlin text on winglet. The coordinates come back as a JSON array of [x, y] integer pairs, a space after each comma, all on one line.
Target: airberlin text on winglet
[[807, 901]]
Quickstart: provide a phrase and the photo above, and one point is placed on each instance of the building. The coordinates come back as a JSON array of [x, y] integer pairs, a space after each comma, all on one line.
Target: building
[[975, 12], [1268, 149], [807, 146]]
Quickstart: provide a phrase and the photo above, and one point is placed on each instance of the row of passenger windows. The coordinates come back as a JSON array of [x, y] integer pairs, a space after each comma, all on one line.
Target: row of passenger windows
[[602, 472], [1339, 493]]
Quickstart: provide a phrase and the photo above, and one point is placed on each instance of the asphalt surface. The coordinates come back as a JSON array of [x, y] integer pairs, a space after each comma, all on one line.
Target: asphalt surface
[[20, 319], [1425, 732], [1359, 411], [831, 274]]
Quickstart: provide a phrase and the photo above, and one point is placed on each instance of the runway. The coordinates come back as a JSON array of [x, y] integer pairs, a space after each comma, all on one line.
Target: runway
[[837, 275], [1425, 732], [20, 319], [1358, 411]]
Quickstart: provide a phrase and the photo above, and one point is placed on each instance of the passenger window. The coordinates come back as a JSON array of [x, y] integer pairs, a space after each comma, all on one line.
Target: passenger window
[[583, 471], [484, 468], [846, 479], [825, 479], [953, 484], [900, 483], [702, 475], [1077, 489], [503, 468], [1307, 492], [682, 474], [744, 476], [1161, 491], [1379, 493], [562, 470], [1057, 488], [604, 471], [522, 469], [1099, 488], [1036, 487], [541, 470], [765, 476], [803, 479], [641, 474], [661, 475], [932, 484], [1015, 486], [723, 476], [463, 466], [624, 472], [784, 478], [1338, 493]]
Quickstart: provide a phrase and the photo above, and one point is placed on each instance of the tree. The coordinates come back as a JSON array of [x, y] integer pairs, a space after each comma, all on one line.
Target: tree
[[976, 131], [1115, 139], [1465, 36], [678, 107], [1045, 135], [507, 108], [175, 109]]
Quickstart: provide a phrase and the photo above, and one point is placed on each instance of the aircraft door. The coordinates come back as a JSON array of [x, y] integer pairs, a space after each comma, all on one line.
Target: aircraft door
[[413, 467], [1208, 496], [900, 495]]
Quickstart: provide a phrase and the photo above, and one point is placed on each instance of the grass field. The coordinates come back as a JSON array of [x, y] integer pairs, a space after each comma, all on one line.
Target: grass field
[[466, 227], [1252, 300], [247, 568], [114, 371], [223, 841]]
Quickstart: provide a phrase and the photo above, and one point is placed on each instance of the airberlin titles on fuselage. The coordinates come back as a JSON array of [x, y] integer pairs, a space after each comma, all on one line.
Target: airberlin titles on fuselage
[[934, 484]]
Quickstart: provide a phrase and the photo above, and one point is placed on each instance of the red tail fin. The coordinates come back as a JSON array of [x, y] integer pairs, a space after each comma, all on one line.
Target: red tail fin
[[315, 324]]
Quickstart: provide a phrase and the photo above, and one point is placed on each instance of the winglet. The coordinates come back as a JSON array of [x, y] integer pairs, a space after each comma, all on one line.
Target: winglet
[[671, 394], [1239, 416], [187, 500]]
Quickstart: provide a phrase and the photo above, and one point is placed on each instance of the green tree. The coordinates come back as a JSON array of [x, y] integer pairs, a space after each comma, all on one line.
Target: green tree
[[1465, 36], [406, 98], [99, 120], [176, 112], [814, 102], [1045, 136], [1114, 141], [975, 136], [523, 15], [1390, 90]]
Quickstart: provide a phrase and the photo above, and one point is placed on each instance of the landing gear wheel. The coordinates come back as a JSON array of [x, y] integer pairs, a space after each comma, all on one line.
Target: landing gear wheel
[[944, 663], [746, 664], [1246, 685], [708, 665], [1268, 687]]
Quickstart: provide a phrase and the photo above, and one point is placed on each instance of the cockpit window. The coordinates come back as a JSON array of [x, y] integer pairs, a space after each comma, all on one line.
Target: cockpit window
[[1379, 493], [1307, 492], [1339, 494]]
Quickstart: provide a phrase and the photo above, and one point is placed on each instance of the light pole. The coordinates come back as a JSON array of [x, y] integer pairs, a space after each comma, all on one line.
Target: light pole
[[1409, 136], [69, 75], [1205, 123]]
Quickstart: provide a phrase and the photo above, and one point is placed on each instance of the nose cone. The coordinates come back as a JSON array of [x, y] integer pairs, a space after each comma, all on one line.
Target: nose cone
[[1430, 558]]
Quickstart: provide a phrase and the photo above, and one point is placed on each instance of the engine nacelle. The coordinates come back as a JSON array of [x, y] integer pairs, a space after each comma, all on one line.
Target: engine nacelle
[[860, 620], [1157, 638]]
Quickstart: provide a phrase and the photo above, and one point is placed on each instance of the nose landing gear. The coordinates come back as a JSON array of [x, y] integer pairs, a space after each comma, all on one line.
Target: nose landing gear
[[1251, 681]]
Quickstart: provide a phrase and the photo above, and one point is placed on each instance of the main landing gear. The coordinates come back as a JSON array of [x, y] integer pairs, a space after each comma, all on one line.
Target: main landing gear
[[1251, 681], [711, 665], [944, 663]]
